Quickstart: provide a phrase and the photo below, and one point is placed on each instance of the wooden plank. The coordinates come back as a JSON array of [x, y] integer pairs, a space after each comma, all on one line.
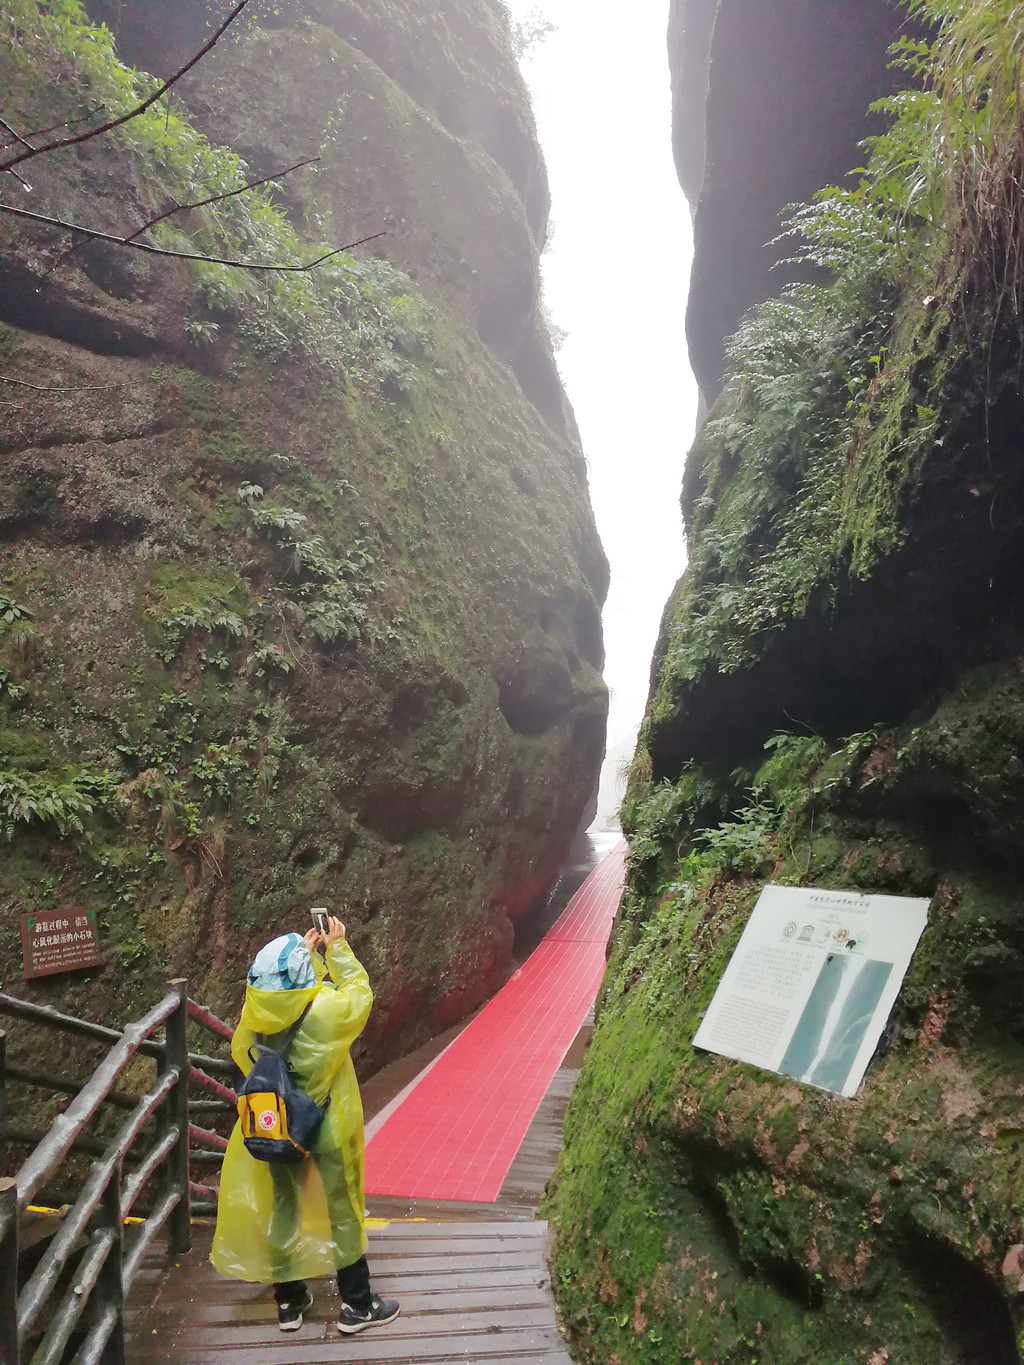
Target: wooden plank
[[200, 1295], [452, 1253], [389, 1241], [509, 1260], [384, 1247], [339, 1349], [436, 1323], [520, 1209], [474, 1294], [518, 1298], [410, 1351], [379, 1345], [418, 1228], [533, 1163]]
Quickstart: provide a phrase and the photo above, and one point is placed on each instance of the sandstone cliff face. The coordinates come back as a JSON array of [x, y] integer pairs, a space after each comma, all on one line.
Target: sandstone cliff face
[[300, 581], [837, 701], [770, 103]]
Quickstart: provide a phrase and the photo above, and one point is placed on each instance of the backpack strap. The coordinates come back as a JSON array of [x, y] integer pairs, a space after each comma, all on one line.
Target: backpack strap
[[287, 1035]]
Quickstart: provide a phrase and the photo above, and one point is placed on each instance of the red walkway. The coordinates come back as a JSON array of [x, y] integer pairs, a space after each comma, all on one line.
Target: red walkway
[[457, 1129]]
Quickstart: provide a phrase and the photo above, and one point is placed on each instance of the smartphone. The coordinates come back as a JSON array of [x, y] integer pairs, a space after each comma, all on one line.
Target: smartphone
[[320, 918]]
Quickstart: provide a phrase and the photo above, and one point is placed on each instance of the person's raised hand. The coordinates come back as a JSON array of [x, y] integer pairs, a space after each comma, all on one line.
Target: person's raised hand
[[311, 938], [335, 930]]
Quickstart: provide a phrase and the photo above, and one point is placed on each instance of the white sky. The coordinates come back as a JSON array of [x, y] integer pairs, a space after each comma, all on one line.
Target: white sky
[[616, 277]]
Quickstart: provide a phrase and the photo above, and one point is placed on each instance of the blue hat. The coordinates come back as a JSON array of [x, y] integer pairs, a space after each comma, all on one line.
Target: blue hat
[[283, 965]]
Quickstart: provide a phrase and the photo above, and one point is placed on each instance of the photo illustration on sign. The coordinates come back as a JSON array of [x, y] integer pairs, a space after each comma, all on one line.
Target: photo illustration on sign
[[812, 983]]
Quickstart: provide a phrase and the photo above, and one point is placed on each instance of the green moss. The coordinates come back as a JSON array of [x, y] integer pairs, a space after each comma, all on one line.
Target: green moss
[[797, 1211], [712, 1212], [688, 1183], [26, 749], [293, 711]]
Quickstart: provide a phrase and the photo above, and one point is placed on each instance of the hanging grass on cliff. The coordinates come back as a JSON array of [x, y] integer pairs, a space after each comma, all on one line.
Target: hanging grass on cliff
[[834, 392]]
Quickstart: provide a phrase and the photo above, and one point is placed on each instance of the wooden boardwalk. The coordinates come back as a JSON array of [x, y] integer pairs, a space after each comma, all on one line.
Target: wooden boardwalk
[[471, 1279], [473, 1292]]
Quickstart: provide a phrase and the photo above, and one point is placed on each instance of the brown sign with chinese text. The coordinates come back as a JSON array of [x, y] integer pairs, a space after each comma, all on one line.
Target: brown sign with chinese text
[[62, 940]]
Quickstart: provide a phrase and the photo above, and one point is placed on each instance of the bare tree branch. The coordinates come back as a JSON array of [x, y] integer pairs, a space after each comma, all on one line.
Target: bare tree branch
[[18, 138], [14, 133], [41, 132], [132, 113], [180, 255], [216, 199], [132, 241], [180, 208], [46, 388]]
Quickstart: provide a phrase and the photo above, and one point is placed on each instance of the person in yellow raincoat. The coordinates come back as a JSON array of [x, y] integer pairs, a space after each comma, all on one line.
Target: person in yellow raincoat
[[282, 1224]]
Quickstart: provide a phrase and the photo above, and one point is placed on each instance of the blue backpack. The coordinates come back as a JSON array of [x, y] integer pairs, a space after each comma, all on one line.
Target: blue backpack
[[279, 1120]]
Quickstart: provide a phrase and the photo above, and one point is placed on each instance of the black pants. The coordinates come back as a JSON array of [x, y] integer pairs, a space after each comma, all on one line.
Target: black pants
[[353, 1287], [353, 1280]]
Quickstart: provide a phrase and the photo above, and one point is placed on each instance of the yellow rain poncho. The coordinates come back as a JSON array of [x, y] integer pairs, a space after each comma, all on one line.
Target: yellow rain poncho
[[277, 1222]]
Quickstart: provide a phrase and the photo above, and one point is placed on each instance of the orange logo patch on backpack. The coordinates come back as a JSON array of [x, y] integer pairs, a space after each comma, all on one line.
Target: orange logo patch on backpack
[[263, 1116]]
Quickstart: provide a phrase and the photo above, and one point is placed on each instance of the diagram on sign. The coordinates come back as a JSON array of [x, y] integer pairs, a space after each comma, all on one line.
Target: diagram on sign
[[812, 983]]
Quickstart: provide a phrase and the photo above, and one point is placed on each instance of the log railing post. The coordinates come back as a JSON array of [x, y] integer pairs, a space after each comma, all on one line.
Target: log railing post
[[109, 1294], [9, 1352], [175, 1115], [3, 1088]]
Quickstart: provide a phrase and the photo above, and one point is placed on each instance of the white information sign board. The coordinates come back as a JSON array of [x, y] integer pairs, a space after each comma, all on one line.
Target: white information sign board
[[812, 983]]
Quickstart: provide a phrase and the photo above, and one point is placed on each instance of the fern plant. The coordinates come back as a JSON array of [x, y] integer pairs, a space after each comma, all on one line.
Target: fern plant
[[210, 617], [967, 176], [36, 800]]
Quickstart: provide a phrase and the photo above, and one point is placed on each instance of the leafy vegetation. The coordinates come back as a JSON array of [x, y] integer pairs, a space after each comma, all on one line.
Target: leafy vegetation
[[353, 314], [39, 801], [835, 394], [16, 628], [205, 617], [697, 1198], [331, 591]]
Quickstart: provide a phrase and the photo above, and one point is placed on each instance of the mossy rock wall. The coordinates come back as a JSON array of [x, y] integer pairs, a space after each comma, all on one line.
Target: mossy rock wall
[[770, 101], [837, 701], [300, 586], [707, 1210]]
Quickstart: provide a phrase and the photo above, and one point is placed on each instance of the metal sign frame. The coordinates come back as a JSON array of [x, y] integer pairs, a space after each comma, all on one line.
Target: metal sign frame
[[63, 940], [812, 982]]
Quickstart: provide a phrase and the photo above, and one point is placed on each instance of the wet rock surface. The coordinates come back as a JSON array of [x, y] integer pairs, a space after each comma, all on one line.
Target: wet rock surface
[[270, 550], [770, 103], [837, 702]]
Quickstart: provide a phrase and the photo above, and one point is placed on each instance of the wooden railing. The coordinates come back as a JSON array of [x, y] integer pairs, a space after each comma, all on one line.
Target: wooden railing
[[88, 1264]]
